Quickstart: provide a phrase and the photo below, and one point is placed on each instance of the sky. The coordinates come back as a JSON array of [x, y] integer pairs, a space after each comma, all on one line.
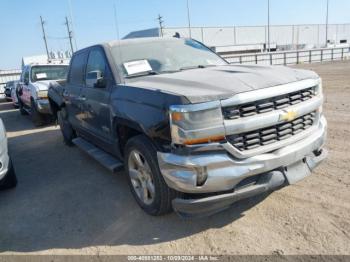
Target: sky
[[94, 20]]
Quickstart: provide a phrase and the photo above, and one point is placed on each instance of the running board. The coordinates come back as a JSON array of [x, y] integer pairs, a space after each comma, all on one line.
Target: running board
[[105, 159]]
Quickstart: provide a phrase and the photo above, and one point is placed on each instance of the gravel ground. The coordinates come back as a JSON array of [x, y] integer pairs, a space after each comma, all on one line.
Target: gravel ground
[[65, 203]]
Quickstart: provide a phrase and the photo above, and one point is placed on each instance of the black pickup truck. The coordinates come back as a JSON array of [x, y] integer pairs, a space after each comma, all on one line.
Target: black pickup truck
[[194, 133]]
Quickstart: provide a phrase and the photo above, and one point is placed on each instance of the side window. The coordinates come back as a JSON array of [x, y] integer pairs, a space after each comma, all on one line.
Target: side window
[[77, 69], [96, 67], [26, 76]]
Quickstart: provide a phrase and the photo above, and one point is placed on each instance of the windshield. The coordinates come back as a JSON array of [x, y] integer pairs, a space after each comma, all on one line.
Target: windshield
[[156, 57], [9, 84], [40, 73]]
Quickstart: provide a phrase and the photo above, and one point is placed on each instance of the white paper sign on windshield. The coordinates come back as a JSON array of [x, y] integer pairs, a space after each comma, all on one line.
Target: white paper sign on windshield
[[41, 75], [136, 67]]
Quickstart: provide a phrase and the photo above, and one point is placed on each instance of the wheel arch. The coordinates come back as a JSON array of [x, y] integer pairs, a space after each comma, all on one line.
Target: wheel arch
[[55, 107], [124, 130]]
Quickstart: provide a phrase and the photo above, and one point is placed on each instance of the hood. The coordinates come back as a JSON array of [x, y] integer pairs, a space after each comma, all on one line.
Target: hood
[[215, 83], [43, 85]]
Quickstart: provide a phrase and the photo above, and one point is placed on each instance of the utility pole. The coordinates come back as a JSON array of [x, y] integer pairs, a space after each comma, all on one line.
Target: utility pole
[[327, 24], [189, 19], [69, 35], [160, 19], [44, 36], [72, 22], [268, 26]]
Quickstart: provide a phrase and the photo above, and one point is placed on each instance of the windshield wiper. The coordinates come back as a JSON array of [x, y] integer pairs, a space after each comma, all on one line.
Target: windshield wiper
[[142, 74], [195, 67]]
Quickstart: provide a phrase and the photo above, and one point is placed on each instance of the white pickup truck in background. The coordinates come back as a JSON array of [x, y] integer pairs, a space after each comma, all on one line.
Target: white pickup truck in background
[[34, 84]]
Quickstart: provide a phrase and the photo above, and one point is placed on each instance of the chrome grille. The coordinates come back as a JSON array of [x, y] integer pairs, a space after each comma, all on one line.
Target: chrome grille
[[271, 134], [270, 104]]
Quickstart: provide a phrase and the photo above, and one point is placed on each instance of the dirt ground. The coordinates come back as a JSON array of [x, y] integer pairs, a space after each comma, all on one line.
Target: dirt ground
[[66, 203]]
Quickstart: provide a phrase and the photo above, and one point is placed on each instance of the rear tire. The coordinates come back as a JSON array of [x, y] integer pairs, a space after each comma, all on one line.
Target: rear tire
[[67, 130], [159, 197], [10, 180], [21, 108], [37, 118]]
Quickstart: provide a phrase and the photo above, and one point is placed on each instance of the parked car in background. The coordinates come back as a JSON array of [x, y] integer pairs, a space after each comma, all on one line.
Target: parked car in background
[[193, 132], [33, 87], [7, 172], [8, 87]]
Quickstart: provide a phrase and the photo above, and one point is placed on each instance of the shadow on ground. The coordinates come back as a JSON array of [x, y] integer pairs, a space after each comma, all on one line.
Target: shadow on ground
[[66, 200], [15, 122]]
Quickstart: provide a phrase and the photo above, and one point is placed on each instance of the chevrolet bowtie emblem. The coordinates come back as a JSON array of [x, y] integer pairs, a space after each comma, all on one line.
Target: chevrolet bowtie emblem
[[288, 116]]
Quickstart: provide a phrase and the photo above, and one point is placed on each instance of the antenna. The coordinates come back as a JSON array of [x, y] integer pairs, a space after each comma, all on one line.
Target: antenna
[[69, 35], [116, 20], [327, 23], [189, 19], [44, 36], [268, 26], [117, 30], [160, 19]]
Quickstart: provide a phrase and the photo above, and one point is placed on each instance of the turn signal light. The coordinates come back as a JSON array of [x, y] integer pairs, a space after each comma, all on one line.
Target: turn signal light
[[204, 140]]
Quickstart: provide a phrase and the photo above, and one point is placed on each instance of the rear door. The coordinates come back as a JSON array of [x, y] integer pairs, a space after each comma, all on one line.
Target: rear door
[[72, 91], [96, 110]]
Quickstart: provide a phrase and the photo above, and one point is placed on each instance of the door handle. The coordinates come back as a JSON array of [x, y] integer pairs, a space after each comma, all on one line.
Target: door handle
[[82, 98]]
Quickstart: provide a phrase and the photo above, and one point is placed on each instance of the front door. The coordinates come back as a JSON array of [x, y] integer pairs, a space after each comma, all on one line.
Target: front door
[[25, 87], [96, 95], [72, 91]]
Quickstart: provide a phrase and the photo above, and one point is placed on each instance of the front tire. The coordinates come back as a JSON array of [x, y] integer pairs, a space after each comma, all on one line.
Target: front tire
[[21, 108], [145, 179], [67, 130], [10, 180], [37, 118]]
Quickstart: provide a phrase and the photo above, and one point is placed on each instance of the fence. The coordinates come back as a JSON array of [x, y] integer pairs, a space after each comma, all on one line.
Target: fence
[[291, 57], [8, 75], [284, 36]]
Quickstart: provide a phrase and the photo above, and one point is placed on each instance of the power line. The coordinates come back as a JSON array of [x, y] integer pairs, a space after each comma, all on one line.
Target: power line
[[44, 36], [57, 37], [161, 21]]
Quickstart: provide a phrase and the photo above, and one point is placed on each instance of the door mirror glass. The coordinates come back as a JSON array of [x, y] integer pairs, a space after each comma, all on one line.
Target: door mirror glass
[[94, 79]]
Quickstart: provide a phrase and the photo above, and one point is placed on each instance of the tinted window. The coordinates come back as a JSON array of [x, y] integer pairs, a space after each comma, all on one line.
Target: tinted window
[[26, 77], [77, 69], [96, 62], [96, 67]]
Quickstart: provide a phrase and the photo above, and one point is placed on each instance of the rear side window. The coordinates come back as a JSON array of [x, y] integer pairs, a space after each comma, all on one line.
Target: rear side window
[[77, 69]]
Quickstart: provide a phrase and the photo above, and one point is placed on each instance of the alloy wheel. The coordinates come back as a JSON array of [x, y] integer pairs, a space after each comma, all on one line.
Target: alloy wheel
[[141, 178]]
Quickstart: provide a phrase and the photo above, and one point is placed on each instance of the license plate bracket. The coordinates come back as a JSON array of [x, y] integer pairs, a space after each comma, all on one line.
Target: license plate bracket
[[297, 171]]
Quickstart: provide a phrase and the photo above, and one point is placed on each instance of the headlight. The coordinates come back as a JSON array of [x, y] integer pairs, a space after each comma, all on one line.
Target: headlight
[[318, 90], [42, 94], [197, 124]]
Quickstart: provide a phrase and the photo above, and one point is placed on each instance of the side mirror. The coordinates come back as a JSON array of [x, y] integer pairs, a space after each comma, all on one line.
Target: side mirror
[[94, 79]]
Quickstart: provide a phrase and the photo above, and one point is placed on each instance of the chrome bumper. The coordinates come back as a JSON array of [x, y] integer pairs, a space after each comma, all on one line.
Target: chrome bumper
[[43, 106], [224, 172]]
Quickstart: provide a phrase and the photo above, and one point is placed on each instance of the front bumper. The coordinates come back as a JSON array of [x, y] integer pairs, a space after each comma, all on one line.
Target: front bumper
[[43, 106], [224, 172]]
